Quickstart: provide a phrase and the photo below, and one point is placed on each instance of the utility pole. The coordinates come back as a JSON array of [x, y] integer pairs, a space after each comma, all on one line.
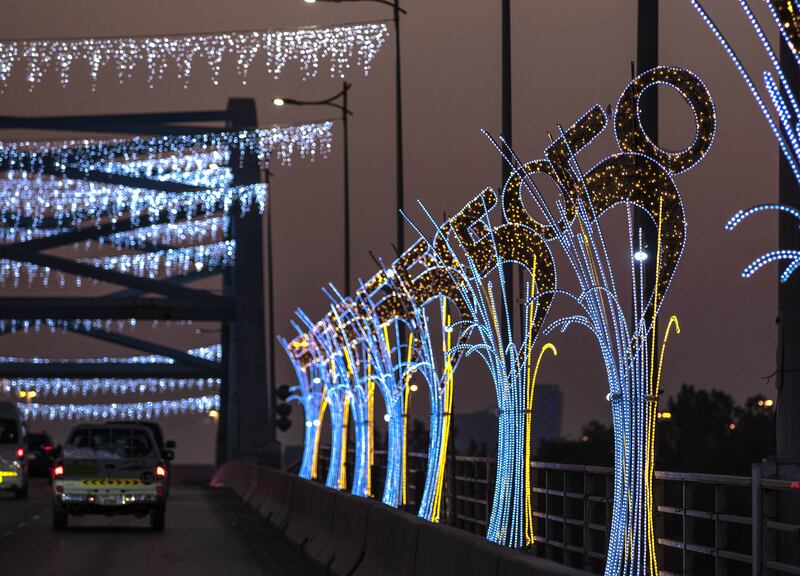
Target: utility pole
[[647, 40], [249, 398]]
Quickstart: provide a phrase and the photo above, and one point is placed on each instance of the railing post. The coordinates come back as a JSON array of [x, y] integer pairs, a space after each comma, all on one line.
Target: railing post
[[757, 514]]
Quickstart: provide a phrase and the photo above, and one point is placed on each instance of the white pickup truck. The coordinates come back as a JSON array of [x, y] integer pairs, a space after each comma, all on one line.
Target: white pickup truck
[[110, 469]]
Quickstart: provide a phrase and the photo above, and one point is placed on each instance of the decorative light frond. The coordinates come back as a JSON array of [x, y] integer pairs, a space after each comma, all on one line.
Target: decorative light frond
[[340, 47], [775, 256], [779, 106]]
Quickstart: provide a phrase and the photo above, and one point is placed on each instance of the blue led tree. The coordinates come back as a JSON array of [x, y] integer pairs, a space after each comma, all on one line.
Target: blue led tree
[[475, 264], [310, 393], [779, 104], [389, 362], [638, 178]]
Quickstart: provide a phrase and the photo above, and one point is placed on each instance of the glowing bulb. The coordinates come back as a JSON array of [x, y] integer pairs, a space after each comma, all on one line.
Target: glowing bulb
[[316, 380], [278, 101], [768, 403], [213, 414], [198, 266], [414, 387], [309, 423], [386, 417], [640, 256], [448, 329], [316, 422], [310, 1]]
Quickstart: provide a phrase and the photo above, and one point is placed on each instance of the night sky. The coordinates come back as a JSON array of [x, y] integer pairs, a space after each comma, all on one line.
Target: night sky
[[568, 55]]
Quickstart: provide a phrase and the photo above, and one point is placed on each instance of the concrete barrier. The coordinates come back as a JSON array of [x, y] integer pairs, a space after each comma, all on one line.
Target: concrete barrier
[[345, 548], [264, 484], [320, 525], [446, 550], [391, 543], [515, 564], [301, 510], [224, 474], [353, 536], [280, 500]]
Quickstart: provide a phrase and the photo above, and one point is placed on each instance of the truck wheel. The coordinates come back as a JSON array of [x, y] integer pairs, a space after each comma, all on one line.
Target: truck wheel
[[60, 519], [21, 493], [157, 518]]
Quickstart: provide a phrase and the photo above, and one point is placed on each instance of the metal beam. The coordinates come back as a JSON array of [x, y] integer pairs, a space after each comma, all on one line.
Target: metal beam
[[146, 285], [157, 124], [207, 309], [103, 370], [193, 276], [179, 356]]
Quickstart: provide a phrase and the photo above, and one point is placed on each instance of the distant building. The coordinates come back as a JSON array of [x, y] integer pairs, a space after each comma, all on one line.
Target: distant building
[[548, 408]]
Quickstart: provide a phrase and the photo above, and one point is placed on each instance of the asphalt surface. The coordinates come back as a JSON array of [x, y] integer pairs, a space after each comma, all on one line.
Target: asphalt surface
[[208, 532]]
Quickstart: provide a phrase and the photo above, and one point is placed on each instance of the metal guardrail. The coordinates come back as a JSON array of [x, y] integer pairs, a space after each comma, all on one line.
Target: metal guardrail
[[704, 522]]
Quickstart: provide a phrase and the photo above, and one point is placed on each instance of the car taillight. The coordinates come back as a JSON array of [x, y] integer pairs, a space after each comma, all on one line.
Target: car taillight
[[47, 448], [20, 453], [161, 472], [58, 471]]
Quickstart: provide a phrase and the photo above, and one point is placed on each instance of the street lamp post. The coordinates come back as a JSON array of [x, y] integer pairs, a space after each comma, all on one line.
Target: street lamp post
[[397, 10], [338, 101]]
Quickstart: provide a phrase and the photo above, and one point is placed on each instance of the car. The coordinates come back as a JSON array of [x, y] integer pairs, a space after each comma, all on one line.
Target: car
[[167, 448], [41, 453], [13, 465], [110, 469]]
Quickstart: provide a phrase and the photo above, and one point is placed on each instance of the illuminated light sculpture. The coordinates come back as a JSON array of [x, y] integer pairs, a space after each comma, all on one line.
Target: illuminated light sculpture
[[345, 321], [779, 105], [342, 46], [129, 411], [487, 249], [310, 393], [640, 177], [389, 366], [338, 395]]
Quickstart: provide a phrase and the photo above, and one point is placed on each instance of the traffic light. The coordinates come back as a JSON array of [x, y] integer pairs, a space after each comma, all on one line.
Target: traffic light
[[283, 409]]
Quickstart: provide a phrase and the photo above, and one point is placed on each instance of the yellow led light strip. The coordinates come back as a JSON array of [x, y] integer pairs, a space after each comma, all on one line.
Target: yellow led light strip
[[404, 459], [345, 422], [317, 437]]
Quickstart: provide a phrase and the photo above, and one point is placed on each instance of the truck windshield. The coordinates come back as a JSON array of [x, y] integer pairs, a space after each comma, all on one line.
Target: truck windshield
[[108, 443], [9, 433]]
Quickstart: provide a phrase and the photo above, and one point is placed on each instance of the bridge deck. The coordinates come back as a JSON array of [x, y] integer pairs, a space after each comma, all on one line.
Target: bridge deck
[[208, 533]]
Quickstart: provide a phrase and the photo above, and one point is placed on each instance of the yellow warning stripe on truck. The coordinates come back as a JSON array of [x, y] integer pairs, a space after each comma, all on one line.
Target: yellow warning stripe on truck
[[5, 474], [112, 482]]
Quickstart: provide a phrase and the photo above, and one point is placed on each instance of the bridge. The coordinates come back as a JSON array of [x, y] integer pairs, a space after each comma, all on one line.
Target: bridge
[[158, 230]]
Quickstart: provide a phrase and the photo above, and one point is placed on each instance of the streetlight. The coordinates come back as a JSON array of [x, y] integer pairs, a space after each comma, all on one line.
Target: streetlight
[[395, 5], [332, 101]]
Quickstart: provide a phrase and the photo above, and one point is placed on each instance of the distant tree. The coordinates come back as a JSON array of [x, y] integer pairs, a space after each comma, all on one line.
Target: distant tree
[[418, 437], [706, 432], [595, 447], [699, 431]]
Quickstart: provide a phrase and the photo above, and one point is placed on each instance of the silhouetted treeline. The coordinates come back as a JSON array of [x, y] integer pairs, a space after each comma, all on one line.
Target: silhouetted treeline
[[699, 431]]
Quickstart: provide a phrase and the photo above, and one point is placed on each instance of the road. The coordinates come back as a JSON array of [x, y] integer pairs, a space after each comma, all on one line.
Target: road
[[208, 532]]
